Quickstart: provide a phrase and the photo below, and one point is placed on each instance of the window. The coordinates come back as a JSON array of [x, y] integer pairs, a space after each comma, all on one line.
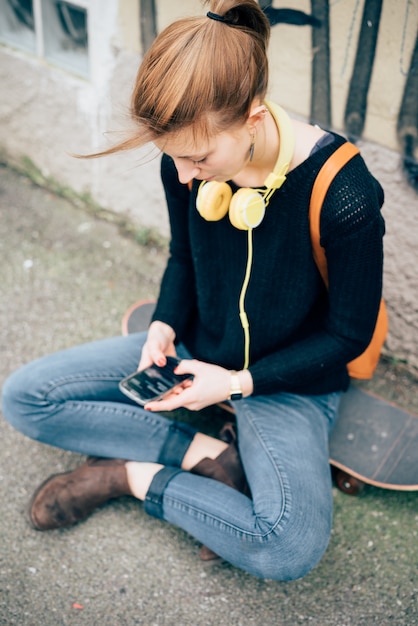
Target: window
[[65, 35], [56, 30], [17, 26]]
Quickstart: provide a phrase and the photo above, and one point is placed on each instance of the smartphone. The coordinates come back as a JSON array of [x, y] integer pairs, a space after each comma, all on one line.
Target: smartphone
[[154, 382]]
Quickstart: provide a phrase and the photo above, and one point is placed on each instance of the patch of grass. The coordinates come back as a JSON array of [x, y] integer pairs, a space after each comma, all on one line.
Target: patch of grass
[[144, 236]]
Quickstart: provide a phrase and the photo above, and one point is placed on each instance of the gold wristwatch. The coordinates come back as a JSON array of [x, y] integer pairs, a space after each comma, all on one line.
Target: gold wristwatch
[[235, 392]]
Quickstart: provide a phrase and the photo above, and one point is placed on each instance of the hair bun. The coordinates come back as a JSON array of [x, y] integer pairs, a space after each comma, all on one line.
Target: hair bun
[[244, 14]]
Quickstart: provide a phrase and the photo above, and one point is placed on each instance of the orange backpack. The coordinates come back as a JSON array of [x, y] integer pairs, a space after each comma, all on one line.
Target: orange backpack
[[363, 366]]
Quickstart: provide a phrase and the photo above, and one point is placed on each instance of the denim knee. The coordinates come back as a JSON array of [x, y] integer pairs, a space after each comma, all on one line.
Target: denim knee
[[283, 558], [17, 403], [8, 400]]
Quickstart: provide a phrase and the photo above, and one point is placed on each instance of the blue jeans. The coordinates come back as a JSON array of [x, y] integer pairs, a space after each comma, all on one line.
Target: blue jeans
[[71, 400]]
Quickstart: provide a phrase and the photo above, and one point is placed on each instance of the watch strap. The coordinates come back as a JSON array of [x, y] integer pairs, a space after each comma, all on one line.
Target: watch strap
[[235, 392]]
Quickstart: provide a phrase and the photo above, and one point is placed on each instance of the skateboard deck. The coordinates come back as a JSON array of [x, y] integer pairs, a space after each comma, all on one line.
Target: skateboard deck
[[373, 442]]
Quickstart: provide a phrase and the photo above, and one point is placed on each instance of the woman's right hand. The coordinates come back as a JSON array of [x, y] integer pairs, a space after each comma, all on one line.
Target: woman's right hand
[[159, 344]]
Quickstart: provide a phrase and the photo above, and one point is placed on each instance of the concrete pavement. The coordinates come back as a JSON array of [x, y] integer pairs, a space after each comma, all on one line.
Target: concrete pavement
[[67, 278]]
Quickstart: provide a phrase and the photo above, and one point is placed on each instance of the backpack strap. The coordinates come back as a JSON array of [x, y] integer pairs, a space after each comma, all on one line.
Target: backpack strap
[[364, 365], [324, 178]]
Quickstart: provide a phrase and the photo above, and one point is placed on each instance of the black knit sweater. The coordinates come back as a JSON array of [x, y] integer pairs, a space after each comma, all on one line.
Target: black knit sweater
[[301, 335]]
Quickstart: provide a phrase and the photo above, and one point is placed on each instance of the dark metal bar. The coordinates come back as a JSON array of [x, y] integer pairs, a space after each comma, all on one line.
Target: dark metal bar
[[148, 18], [321, 83], [356, 108]]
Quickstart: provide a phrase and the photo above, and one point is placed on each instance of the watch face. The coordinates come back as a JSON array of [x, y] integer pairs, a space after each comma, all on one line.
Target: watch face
[[236, 396]]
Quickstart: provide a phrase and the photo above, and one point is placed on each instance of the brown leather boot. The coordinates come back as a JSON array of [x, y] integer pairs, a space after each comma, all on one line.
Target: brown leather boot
[[65, 499], [227, 469]]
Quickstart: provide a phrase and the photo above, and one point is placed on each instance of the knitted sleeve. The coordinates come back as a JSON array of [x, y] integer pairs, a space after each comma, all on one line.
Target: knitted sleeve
[[176, 301], [352, 229]]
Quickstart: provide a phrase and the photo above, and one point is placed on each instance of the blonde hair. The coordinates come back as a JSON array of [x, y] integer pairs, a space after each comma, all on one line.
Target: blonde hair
[[201, 74]]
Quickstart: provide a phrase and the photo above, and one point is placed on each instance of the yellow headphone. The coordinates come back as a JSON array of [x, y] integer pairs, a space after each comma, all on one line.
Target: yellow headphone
[[247, 206]]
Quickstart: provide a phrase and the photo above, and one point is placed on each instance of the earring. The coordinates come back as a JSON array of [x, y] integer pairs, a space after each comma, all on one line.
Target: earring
[[252, 150], [252, 147]]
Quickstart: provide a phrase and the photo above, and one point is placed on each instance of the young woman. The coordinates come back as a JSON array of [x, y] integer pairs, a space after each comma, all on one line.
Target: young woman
[[241, 303]]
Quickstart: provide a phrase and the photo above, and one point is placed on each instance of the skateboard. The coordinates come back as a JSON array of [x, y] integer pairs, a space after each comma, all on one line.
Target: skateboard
[[138, 317], [374, 442]]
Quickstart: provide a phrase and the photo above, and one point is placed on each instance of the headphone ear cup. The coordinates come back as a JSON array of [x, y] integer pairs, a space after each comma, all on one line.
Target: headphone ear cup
[[247, 209], [213, 200]]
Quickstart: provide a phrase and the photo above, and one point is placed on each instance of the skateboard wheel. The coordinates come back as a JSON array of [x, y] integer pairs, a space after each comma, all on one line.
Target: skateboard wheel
[[348, 484]]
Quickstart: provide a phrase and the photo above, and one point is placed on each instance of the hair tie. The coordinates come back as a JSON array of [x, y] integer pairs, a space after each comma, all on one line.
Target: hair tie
[[217, 18]]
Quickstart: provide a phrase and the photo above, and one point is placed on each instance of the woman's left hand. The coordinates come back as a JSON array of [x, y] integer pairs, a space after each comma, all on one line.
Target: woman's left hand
[[211, 384]]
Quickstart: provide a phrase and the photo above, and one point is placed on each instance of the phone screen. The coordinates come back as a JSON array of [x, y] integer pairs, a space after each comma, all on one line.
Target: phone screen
[[154, 382]]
